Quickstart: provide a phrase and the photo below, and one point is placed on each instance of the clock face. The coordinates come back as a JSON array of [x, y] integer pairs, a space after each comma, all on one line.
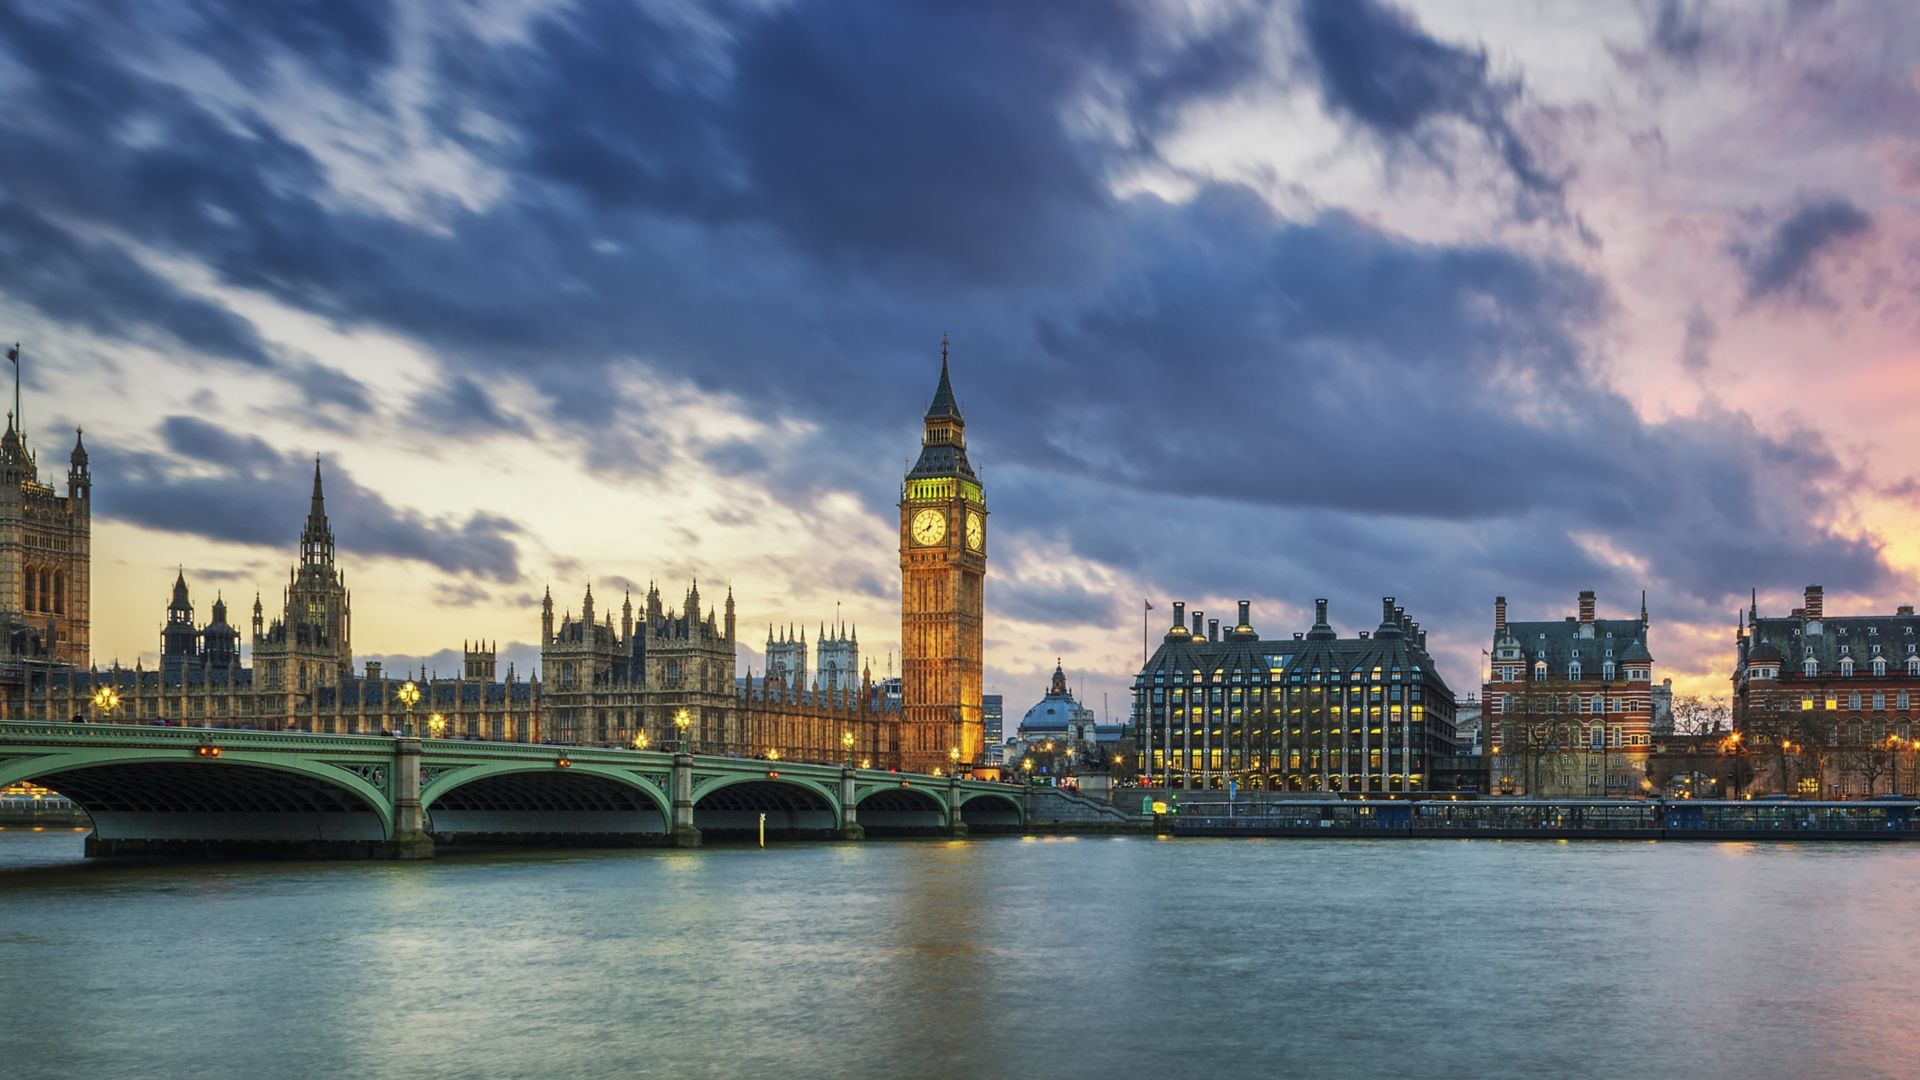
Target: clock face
[[929, 527], [976, 531]]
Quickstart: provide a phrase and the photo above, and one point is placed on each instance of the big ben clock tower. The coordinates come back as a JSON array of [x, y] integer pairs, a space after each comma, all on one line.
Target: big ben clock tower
[[943, 566]]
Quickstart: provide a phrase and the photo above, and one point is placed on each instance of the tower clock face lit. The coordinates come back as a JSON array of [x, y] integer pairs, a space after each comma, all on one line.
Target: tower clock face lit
[[929, 527], [976, 531]]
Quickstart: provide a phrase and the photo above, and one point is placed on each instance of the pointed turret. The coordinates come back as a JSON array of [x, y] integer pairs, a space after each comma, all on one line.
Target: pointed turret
[[943, 437], [1058, 687], [79, 476], [316, 539]]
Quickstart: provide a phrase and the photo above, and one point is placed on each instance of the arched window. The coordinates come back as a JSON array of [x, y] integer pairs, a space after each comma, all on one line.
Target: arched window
[[1573, 670], [1879, 701], [60, 593], [1901, 701], [1853, 700], [31, 583]]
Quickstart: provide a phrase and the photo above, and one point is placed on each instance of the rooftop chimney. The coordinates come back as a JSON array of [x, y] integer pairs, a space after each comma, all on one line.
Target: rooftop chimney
[[1815, 601], [1320, 610], [1199, 621], [1499, 615], [1903, 609], [1213, 629], [1246, 610], [1586, 613], [1180, 614]]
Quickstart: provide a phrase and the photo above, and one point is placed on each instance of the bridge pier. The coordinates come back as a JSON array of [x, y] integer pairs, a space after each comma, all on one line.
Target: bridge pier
[[955, 827], [684, 833], [850, 828], [410, 837]]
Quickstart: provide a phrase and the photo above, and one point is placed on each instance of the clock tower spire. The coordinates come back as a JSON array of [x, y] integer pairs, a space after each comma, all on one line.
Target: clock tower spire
[[943, 566]]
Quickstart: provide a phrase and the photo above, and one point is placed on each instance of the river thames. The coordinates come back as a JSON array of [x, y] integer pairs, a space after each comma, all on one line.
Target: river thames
[[1093, 957]]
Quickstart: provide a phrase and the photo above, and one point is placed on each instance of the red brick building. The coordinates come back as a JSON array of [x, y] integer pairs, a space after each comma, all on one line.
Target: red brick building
[[1569, 704], [1826, 705]]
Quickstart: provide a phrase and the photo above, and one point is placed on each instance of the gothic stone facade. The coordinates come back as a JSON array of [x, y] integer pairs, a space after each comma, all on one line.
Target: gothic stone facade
[[610, 685]]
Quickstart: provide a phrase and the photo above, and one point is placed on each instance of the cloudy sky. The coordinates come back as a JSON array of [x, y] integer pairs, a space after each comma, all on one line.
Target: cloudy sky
[[1265, 301]]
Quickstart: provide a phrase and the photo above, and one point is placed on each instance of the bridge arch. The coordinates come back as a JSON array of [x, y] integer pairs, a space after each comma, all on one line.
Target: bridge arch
[[513, 800], [992, 811], [902, 809], [730, 806], [163, 798]]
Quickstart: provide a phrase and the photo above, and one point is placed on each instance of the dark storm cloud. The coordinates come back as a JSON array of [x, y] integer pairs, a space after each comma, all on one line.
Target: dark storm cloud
[[1377, 67], [345, 42], [462, 407], [236, 488], [787, 212], [98, 286], [1782, 262]]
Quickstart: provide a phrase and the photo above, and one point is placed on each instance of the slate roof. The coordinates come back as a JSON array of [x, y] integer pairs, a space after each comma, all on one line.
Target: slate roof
[[1851, 635], [1559, 643]]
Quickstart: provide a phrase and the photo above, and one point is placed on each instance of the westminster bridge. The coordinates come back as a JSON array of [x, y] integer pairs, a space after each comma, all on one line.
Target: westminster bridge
[[168, 790]]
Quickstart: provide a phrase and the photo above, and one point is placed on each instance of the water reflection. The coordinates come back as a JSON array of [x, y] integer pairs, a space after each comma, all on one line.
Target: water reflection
[[1093, 956]]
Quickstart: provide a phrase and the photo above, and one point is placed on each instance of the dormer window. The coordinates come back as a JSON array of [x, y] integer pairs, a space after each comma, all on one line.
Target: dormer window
[[1846, 665], [1879, 665], [1606, 670], [1573, 670], [1540, 671], [1876, 650], [1873, 631], [1812, 666]]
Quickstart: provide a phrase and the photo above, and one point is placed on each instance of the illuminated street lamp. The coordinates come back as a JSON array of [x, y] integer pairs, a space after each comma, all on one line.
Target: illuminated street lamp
[[846, 744], [773, 753], [408, 696], [437, 725], [682, 722], [640, 741], [1026, 766], [105, 701]]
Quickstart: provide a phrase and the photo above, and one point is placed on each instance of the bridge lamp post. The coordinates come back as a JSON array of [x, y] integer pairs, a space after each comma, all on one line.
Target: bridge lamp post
[[682, 721], [105, 701], [408, 696], [1026, 766], [437, 725], [846, 744], [640, 741]]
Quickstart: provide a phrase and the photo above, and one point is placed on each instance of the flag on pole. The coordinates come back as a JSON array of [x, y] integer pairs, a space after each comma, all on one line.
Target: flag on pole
[[1149, 605], [13, 354]]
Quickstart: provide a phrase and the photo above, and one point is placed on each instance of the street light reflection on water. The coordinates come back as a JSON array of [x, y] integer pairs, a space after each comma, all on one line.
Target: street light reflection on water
[[939, 958]]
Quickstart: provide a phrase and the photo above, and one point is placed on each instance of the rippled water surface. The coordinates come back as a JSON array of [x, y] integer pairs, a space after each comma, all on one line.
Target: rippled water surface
[[1062, 957]]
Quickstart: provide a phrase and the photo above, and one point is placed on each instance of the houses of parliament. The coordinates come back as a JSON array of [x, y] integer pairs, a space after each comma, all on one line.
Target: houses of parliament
[[600, 682]]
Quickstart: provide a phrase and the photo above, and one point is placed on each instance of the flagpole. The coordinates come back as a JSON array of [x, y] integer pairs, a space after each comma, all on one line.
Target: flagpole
[[19, 421]]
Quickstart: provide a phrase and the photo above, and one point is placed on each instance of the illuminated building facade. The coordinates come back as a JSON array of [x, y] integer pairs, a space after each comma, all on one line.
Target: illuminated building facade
[[46, 560], [609, 685], [1827, 705], [1317, 712], [1569, 704], [943, 567]]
